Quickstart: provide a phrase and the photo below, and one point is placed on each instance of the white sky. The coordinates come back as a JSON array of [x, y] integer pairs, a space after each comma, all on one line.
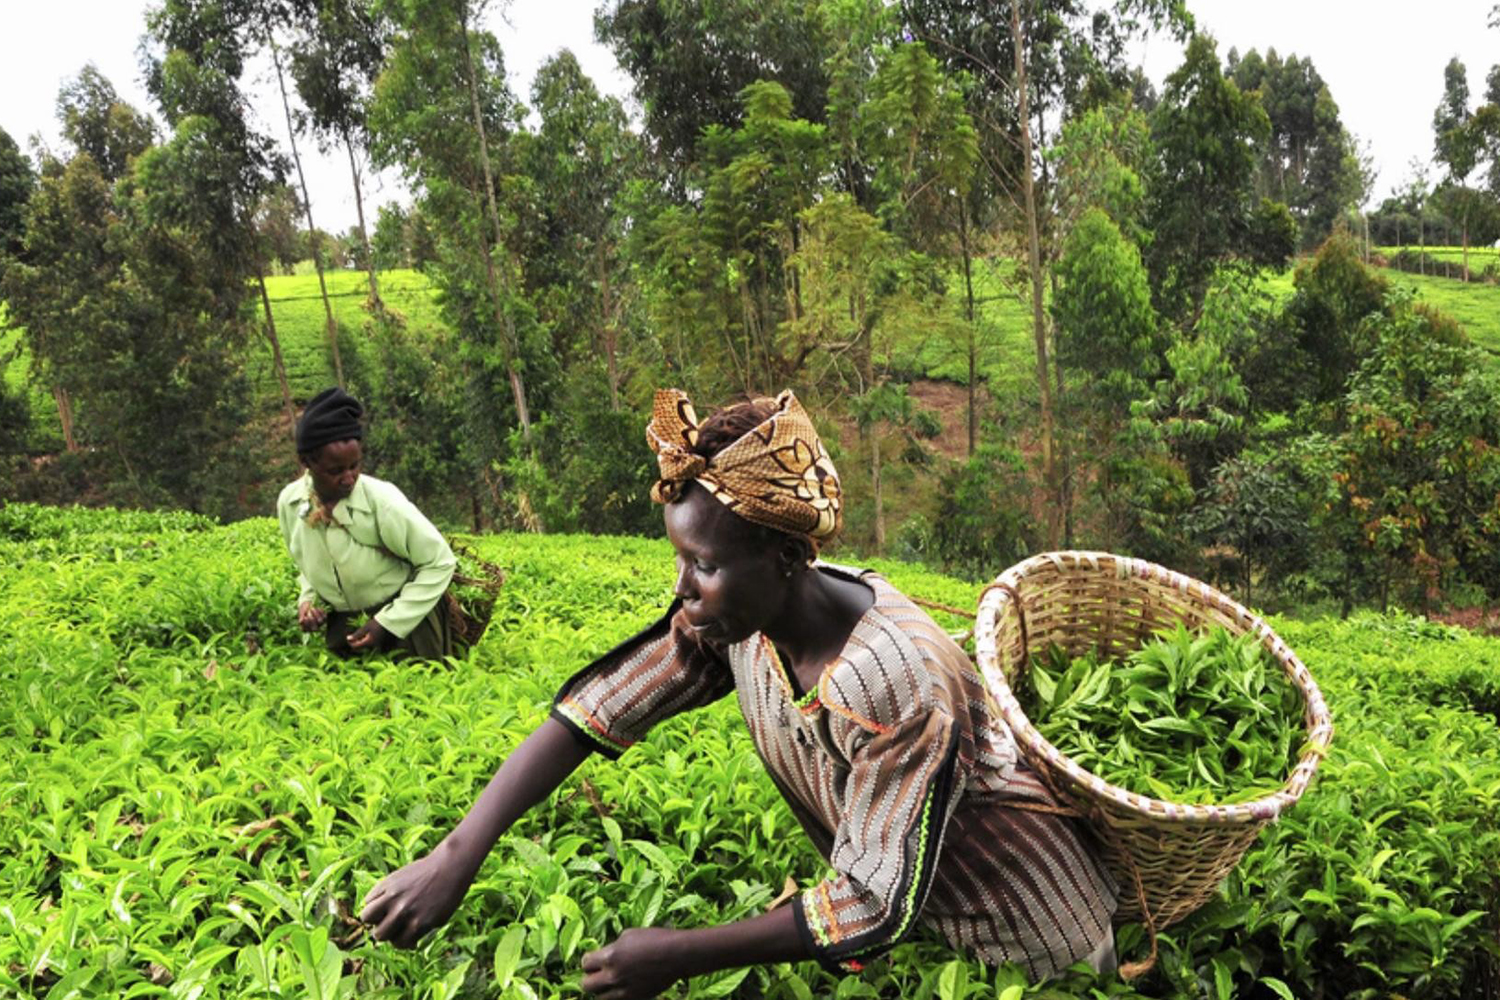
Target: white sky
[[1382, 59]]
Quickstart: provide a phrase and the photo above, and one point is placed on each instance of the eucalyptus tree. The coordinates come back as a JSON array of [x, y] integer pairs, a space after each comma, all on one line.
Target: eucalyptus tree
[[1458, 145], [1202, 207], [691, 60], [1309, 161], [277, 242], [17, 182], [132, 292], [581, 159], [194, 58], [94, 120], [1108, 334], [69, 231], [756, 180], [441, 114], [924, 153], [315, 236], [1033, 63], [57, 290], [179, 385], [335, 59]]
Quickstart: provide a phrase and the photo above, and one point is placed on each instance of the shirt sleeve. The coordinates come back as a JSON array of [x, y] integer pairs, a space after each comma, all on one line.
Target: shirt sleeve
[[611, 704], [897, 801], [286, 514], [305, 592], [410, 536]]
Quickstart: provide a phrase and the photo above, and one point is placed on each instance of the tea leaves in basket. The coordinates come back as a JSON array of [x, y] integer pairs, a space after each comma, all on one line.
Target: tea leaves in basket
[[1192, 718]]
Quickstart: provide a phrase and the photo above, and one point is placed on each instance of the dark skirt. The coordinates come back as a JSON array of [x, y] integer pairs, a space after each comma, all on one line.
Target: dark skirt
[[432, 639]]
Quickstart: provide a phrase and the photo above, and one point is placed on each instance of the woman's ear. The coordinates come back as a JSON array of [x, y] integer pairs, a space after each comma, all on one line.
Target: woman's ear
[[796, 553]]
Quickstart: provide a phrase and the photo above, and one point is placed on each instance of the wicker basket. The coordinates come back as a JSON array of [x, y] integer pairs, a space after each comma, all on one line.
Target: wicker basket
[[1168, 857], [470, 599]]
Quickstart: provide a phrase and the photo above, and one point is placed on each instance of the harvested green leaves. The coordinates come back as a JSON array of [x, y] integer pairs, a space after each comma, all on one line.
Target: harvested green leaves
[[1192, 718]]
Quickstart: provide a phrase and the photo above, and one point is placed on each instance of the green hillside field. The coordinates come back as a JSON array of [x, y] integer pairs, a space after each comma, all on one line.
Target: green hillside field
[[1007, 359], [1475, 305], [301, 323], [196, 799], [1478, 256]]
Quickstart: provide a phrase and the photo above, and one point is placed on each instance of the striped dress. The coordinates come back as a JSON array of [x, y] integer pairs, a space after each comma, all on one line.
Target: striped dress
[[899, 773]]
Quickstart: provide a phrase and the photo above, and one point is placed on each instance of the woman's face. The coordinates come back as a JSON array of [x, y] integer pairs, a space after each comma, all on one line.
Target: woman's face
[[732, 583], [335, 469]]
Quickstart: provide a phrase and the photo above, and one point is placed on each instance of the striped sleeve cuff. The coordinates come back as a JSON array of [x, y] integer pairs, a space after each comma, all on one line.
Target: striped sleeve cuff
[[813, 928], [587, 730]]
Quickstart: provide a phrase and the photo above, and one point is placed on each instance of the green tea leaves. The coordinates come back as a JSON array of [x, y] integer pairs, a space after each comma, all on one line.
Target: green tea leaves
[[1187, 717]]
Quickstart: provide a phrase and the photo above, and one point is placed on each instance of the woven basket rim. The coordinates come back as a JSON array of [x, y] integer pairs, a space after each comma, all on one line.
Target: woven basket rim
[[1318, 721]]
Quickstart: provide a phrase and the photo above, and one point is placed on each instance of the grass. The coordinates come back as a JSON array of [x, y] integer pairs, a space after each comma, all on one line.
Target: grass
[[15, 369], [1475, 305], [1478, 256], [1006, 361], [301, 325]]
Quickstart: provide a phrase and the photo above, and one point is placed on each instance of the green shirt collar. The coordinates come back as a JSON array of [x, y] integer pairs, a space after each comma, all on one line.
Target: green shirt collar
[[358, 499]]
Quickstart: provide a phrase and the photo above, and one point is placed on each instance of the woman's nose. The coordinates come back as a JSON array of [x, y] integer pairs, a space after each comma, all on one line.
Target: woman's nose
[[684, 587]]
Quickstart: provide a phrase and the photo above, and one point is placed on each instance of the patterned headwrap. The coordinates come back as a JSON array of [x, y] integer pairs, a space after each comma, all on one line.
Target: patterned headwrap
[[778, 474]]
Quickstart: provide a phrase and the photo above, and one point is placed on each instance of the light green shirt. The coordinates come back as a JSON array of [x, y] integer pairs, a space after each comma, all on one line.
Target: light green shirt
[[378, 548]]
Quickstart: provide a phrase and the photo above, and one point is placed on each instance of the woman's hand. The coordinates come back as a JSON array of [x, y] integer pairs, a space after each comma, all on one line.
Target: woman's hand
[[370, 635], [310, 616], [639, 964], [413, 900]]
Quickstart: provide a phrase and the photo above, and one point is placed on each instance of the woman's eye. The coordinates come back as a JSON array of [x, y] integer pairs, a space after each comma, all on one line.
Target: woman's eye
[[703, 567]]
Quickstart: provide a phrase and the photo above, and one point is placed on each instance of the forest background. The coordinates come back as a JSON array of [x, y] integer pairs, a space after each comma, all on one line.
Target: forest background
[[1033, 301]]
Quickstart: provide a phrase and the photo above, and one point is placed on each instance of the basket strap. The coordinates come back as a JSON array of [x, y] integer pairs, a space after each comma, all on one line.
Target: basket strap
[[942, 607], [1039, 807], [1133, 970]]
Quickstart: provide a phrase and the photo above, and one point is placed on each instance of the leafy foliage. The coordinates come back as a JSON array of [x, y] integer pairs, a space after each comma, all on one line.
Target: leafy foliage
[[1202, 212], [198, 798]]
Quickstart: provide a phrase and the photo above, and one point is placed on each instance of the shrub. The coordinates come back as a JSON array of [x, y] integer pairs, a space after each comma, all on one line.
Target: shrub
[[196, 798]]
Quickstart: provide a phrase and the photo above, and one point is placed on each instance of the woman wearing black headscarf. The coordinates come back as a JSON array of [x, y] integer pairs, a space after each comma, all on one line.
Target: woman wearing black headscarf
[[360, 546]]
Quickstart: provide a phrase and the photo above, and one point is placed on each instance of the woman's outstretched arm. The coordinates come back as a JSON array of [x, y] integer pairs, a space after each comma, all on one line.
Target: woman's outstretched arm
[[421, 896], [643, 962]]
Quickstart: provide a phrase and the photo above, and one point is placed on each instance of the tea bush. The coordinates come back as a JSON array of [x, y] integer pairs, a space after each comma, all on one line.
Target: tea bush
[[194, 797]]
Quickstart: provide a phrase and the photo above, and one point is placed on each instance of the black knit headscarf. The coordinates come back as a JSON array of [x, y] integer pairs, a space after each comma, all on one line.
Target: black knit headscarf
[[331, 415]]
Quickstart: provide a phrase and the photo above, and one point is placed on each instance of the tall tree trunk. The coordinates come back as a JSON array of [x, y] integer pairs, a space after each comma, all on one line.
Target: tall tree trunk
[[1039, 326], [507, 322], [65, 416], [313, 239], [607, 331], [963, 241], [876, 491], [1064, 458], [286, 390], [1465, 225], [364, 236]]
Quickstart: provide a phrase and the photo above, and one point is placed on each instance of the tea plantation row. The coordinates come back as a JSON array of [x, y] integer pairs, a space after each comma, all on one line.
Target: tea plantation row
[[194, 799]]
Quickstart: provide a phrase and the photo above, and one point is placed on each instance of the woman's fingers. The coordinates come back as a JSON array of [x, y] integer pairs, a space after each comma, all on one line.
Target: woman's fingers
[[374, 905], [393, 928]]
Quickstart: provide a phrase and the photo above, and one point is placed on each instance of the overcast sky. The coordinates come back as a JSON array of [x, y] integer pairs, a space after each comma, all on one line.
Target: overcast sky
[[1382, 60]]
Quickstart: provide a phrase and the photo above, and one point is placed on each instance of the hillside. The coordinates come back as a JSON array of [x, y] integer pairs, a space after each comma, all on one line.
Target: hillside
[[1006, 362]]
